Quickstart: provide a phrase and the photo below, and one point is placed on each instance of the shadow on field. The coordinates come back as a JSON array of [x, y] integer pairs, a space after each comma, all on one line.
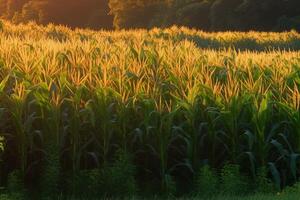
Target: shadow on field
[[242, 41]]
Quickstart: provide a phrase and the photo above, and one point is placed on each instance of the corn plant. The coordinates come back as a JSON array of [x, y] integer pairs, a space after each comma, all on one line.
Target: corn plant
[[171, 100]]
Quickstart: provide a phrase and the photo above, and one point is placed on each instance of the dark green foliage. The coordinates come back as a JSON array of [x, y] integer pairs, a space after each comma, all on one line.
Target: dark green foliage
[[262, 183], [85, 184], [79, 13], [207, 182], [168, 187], [222, 14], [50, 179], [118, 180], [134, 13], [194, 14], [293, 189], [232, 181], [15, 184], [214, 15]]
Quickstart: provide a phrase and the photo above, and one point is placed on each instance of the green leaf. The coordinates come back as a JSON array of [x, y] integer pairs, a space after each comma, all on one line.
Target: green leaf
[[251, 158], [283, 152], [293, 164], [275, 174], [250, 139]]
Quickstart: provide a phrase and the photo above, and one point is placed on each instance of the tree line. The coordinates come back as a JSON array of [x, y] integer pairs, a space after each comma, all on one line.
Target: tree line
[[210, 15], [73, 13]]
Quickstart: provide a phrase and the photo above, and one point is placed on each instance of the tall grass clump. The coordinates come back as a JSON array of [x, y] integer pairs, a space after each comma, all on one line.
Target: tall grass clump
[[232, 182], [207, 183], [89, 114]]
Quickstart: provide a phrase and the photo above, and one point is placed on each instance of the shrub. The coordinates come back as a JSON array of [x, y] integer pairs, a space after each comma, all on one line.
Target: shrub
[[118, 180], [51, 173], [293, 189], [169, 186], [206, 182], [15, 186], [263, 183], [232, 182], [86, 184]]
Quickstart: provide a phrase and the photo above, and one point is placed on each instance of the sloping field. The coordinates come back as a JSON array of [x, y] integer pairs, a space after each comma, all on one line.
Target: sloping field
[[169, 111]]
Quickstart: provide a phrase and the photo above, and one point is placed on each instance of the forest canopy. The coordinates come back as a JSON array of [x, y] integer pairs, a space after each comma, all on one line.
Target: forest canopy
[[209, 15]]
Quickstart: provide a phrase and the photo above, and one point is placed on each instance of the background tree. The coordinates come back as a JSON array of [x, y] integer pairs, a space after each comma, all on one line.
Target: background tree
[[223, 15], [134, 13], [31, 11], [194, 14], [79, 13], [211, 15], [9, 8]]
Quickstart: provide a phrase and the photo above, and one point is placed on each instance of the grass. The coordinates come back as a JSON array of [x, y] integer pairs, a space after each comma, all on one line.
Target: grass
[[89, 110], [259, 197], [254, 197]]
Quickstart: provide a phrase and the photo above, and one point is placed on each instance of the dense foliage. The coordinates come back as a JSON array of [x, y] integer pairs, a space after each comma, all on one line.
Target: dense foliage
[[79, 13], [120, 113], [214, 15]]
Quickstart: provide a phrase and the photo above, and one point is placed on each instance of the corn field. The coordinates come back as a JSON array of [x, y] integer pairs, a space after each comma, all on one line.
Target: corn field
[[148, 109]]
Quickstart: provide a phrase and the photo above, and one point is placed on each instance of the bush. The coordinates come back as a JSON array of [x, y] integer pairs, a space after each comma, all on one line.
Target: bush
[[206, 182], [263, 183], [118, 179], [51, 173], [295, 189], [85, 184], [232, 182], [15, 186]]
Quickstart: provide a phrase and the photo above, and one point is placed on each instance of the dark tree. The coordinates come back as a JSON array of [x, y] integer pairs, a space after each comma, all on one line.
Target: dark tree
[[213, 15], [73, 13], [223, 15], [194, 14], [9, 8], [134, 13]]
